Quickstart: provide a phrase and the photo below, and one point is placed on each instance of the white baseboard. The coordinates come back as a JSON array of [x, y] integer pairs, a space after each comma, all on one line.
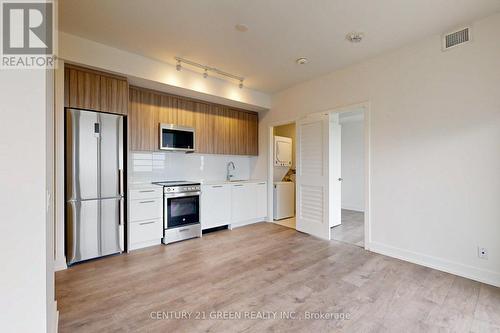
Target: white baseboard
[[466, 271], [353, 207], [141, 245], [244, 223], [56, 318], [60, 264]]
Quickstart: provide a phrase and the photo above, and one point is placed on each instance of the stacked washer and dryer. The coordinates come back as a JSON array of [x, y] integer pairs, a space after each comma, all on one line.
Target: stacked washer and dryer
[[284, 191]]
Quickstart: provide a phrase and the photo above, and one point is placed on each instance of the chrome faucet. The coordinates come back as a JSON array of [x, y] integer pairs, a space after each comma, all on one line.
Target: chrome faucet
[[230, 167]]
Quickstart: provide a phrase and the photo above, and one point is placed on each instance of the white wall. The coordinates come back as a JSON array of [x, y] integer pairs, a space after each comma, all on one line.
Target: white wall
[[158, 75], [353, 165], [145, 167], [435, 143], [26, 253]]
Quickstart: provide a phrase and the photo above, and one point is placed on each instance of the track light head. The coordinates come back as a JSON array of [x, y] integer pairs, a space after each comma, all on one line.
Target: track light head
[[178, 66], [205, 74], [241, 84]]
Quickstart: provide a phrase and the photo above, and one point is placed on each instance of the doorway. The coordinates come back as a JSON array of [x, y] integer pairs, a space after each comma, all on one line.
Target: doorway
[[283, 138], [317, 161], [352, 180]]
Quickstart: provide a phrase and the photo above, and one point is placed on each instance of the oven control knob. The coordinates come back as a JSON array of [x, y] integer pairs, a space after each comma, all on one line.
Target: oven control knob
[[168, 189]]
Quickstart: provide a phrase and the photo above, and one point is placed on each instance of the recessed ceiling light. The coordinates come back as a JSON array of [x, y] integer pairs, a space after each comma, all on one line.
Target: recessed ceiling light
[[241, 27], [301, 61], [354, 37]]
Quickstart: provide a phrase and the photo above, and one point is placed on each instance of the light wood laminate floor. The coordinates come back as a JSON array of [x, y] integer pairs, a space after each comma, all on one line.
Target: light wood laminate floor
[[352, 229], [267, 267], [289, 223]]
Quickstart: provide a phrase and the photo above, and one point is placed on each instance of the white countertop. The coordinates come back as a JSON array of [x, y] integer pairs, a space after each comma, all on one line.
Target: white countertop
[[147, 185], [141, 186], [217, 182]]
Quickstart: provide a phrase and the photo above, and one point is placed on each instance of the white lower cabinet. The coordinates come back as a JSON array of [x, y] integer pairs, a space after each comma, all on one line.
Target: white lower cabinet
[[261, 189], [233, 203], [244, 202], [143, 232], [146, 218], [215, 206]]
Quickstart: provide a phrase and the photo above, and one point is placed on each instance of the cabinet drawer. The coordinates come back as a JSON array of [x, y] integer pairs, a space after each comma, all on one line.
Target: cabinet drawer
[[146, 231], [146, 209], [146, 193]]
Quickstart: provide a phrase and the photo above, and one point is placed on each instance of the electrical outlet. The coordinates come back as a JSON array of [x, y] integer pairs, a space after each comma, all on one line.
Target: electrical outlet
[[482, 252]]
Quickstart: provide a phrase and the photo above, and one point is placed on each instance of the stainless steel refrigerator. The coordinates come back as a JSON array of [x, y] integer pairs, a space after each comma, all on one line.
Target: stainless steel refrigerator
[[94, 185]]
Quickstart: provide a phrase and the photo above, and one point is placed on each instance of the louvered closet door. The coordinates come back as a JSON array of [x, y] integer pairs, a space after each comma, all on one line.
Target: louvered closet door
[[313, 176]]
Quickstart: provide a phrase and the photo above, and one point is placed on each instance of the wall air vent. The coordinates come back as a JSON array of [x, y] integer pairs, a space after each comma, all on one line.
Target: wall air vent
[[456, 38]]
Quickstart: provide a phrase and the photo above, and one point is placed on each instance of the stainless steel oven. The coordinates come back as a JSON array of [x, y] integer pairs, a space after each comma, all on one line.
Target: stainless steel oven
[[181, 210]]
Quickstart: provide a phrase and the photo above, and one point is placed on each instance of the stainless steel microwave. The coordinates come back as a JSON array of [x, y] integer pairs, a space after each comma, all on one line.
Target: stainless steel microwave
[[177, 138]]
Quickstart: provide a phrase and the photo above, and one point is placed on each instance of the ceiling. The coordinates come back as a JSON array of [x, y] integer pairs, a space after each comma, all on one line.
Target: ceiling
[[279, 31]]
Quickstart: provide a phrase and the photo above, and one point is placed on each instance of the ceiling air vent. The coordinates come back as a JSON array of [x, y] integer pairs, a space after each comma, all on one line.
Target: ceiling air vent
[[456, 38]]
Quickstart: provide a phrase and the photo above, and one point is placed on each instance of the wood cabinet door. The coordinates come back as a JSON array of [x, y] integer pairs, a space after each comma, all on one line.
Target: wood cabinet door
[[114, 95], [205, 129], [253, 134], [231, 145], [221, 129], [242, 134], [143, 119], [185, 113], [83, 89], [168, 110]]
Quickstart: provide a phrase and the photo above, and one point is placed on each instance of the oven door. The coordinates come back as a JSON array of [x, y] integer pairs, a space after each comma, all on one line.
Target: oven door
[[182, 209]]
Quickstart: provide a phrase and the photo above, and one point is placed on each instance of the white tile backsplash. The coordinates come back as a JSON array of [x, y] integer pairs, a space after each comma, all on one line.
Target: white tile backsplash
[[147, 167]]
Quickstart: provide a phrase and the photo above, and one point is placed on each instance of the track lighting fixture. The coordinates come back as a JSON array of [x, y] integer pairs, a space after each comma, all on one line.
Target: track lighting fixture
[[207, 69]]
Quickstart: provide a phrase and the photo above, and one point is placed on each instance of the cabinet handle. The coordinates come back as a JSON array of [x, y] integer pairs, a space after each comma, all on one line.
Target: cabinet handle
[[146, 191], [149, 201], [185, 229], [144, 223], [217, 186], [238, 185], [261, 183]]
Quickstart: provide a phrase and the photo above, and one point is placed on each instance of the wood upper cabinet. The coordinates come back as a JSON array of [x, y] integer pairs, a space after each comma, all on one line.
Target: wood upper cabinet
[[204, 124], [92, 90], [114, 95], [253, 134], [143, 120], [218, 129], [83, 89]]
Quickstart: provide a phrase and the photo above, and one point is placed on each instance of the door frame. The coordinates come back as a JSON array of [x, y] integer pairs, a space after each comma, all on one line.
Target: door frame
[[366, 105]]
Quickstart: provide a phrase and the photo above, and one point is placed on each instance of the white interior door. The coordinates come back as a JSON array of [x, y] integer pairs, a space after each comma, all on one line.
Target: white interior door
[[336, 170], [313, 176]]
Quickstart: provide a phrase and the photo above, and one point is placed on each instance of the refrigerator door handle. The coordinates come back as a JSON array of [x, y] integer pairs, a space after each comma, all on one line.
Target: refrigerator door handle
[[120, 212], [121, 227], [120, 182]]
